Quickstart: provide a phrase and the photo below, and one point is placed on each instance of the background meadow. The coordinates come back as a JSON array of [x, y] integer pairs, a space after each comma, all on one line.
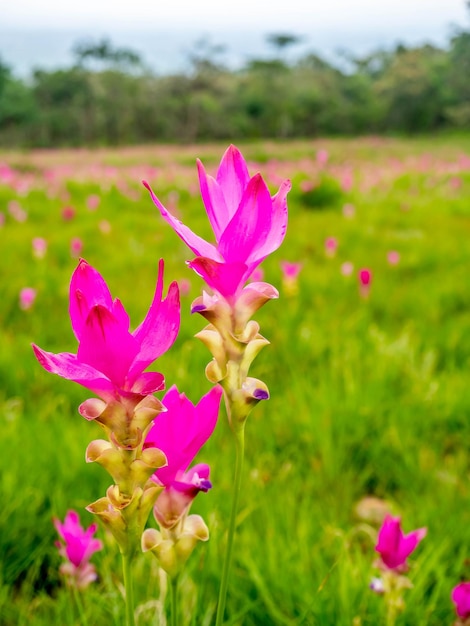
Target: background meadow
[[369, 396]]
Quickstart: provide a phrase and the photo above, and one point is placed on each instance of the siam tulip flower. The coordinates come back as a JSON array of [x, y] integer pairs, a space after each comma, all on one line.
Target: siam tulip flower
[[331, 246], [110, 360], [248, 224], [27, 298], [365, 279], [322, 157], [105, 227], [393, 257], [93, 202], [184, 286], [77, 547], [461, 598], [17, 212], [39, 247], [68, 213], [290, 273], [394, 547], [347, 268], [76, 247], [180, 432]]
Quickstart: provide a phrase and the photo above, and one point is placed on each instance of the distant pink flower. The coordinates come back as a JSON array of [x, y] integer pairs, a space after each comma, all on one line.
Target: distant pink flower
[[455, 182], [346, 181], [306, 185], [39, 247], [17, 212], [77, 547], [27, 298], [349, 211], [365, 280], [93, 202], [393, 257], [180, 432], [110, 360], [76, 247], [461, 598], [322, 157], [393, 546], [68, 213], [331, 245], [184, 286], [347, 268], [290, 271], [104, 227], [257, 275], [248, 224]]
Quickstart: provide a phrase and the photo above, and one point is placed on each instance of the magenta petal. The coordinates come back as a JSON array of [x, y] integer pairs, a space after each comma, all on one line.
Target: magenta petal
[[233, 178], [278, 222], [159, 329], [107, 346], [194, 480], [70, 367], [198, 245], [225, 278], [214, 201], [461, 598], [87, 289], [147, 383], [250, 226], [183, 429]]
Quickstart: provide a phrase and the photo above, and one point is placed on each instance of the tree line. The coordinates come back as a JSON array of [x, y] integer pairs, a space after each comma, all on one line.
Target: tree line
[[109, 97]]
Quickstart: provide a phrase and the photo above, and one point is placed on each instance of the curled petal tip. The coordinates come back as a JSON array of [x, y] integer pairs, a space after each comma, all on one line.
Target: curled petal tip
[[261, 394]]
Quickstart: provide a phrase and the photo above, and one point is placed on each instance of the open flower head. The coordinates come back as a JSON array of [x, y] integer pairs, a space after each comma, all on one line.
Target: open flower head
[[77, 546], [110, 360], [393, 546], [461, 598], [248, 224]]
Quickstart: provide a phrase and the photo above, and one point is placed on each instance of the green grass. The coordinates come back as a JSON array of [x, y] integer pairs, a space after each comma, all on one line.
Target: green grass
[[368, 397]]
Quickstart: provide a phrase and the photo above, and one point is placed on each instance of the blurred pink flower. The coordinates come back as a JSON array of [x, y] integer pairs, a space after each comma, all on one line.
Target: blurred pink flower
[[393, 257], [27, 298], [39, 247], [17, 212], [77, 547], [393, 546], [104, 227], [93, 202], [349, 211], [185, 286], [248, 224], [257, 275], [68, 213], [346, 181], [461, 598], [76, 247], [322, 157], [180, 432], [290, 271], [347, 268], [331, 245], [110, 360], [365, 279]]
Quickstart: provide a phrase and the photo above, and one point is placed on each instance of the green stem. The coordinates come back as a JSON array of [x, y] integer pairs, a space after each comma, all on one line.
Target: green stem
[[174, 601], [127, 572], [240, 451]]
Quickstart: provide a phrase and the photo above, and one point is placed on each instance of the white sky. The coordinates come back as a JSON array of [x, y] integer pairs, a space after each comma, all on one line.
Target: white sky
[[260, 15]]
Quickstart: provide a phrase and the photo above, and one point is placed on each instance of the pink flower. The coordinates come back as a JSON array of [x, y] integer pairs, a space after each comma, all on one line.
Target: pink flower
[[68, 213], [93, 202], [77, 547], [393, 546], [184, 286], [331, 245], [180, 432], [347, 268], [27, 298], [365, 277], [39, 247], [76, 247], [290, 271], [461, 598], [248, 224], [322, 157], [110, 360], [393, 257]]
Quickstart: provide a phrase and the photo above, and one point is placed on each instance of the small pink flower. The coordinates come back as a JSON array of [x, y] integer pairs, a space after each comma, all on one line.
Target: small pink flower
[[365, 279], [68, 213], [331, 245], [461, 598], [393, 257], [347, 268], [93, 202], [104, 227], [27, 298], [349, 211], [77, 547], [290, 271], [322, 157], [184, 286], [39, 247], [393, 546], [17, 212], [76, 247]]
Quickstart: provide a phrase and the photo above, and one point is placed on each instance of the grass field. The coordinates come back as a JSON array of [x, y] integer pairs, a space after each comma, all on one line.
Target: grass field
[[369, 396]]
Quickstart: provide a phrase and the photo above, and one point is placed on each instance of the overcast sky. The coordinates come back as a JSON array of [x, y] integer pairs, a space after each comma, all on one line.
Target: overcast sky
[[41, 33], [261, 15]]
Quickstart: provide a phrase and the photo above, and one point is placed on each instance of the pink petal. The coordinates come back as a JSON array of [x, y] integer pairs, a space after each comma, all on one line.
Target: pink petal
[[214, 201], [70, 367], [461, 598], [107, 346], [198, 245], [250, 226], [147, 383], [233, 178], [160, 327], [87, 289], [278, 222], [225, 278]]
